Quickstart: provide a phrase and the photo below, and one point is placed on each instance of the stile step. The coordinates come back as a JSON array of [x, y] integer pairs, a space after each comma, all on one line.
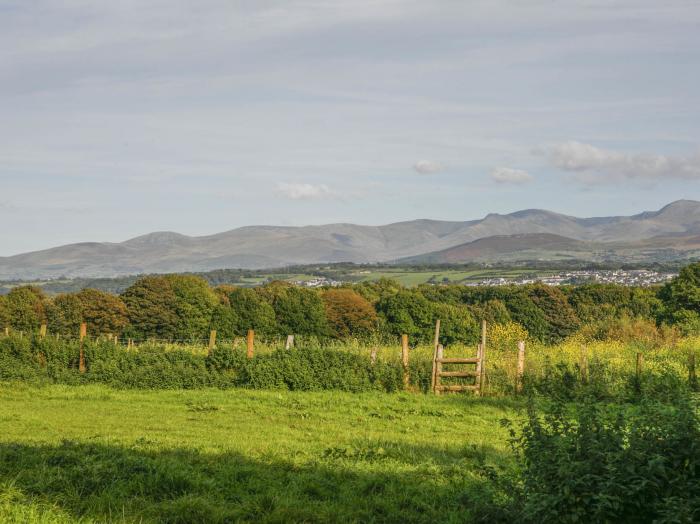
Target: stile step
[[457, 360], [458, 374], [457, 388]]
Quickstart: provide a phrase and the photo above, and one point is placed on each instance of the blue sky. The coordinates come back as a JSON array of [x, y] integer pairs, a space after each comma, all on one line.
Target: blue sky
[[122, 118]]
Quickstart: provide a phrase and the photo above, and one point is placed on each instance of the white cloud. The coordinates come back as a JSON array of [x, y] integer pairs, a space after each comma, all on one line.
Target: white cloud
[[305, 191], [507, 175], [427, 167], [595, 165]]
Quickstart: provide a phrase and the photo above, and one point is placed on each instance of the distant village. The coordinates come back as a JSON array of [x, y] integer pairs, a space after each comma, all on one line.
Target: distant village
[[637, 277]]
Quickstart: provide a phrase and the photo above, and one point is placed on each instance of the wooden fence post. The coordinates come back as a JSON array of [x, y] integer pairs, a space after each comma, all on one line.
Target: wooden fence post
[[692, 377], [42, 331], [583, 364], [83, 334], [212, 340], [436, 343], [290, 342], [7, 331], [520, 373], [404, 360], [373, 355], [482, 360], [438, 368], [251, 342]]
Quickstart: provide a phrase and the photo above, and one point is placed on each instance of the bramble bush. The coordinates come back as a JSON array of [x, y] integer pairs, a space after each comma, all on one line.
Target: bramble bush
[[597, 462]]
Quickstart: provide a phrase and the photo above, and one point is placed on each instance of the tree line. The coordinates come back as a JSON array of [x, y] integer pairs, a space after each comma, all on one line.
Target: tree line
[[186, 308]]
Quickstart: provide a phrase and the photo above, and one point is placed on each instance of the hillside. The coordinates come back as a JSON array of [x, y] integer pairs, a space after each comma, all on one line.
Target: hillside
[[668, 233]]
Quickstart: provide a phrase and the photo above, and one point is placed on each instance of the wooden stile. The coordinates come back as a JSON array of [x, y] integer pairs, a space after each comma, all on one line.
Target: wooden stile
[[404, 360], [520, 371], [436, 342], [482, 360], [251, 343], [81, 362]]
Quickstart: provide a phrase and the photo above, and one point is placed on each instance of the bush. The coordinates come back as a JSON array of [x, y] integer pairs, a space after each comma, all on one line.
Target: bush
[[348, 313], [592, 462]]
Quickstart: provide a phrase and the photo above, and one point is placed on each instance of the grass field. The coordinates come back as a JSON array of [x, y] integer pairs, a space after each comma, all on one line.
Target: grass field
[[94, 454]]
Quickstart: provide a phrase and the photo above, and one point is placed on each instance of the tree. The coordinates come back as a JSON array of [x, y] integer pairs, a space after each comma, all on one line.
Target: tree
[[560, 316], [299, 311], [4, 313], [151, 306], [225, 321], [457, 324], [25, 306], [104, 313], [407, 312], [252, 312], [681, 298], [194, 303], [64, 315], [348, 313]]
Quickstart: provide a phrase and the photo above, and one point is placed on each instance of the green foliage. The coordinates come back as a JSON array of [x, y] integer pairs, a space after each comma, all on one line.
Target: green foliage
[[25, 307], [407, 312], [152, 305], [348, 313], [225, 321], [4, 313], [194, 304], [681, 298], [299, 311], [558, 314], [64, 315], [252, 312], [103, 312], [458, 325], [590, 462]]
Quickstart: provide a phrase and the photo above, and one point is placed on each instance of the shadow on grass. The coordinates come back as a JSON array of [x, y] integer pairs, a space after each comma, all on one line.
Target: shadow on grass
[[109, 483]]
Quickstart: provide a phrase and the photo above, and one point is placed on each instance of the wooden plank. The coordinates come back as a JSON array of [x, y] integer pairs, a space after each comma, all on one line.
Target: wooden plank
[[458, 360], [438, 368], [520, 371], [457, 388], [436, 342], [482, 377], [250, 343], [459, 374], [404, 360]]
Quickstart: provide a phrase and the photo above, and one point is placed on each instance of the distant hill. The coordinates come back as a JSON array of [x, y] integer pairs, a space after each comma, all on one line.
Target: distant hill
[[669, 233]]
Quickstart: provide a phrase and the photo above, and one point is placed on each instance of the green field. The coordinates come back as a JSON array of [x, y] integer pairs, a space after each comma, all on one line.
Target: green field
[[94, 454]]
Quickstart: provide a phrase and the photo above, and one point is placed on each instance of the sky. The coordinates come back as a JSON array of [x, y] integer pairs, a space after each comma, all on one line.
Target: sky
[[122, 118]]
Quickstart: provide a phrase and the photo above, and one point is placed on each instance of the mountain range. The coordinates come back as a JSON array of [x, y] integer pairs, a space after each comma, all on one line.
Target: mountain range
[[670, 233]]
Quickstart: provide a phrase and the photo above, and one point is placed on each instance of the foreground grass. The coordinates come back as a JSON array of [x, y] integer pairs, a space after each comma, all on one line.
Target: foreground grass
[[94, 454]]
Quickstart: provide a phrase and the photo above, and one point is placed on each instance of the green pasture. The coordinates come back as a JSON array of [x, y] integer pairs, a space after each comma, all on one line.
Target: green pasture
[[94, 454]]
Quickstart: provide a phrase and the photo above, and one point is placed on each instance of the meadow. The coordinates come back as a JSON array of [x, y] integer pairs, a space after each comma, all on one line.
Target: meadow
[[95, 454]]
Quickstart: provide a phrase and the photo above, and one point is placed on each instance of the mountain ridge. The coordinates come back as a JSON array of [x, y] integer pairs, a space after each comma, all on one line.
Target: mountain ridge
[[264, 246]]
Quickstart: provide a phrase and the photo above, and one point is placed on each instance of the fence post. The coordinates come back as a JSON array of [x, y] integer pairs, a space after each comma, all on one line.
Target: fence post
[[583, 364], [521, 367], [404, 360], [438, 368], [482, 360], [692, 377], [42, 331], [436, 342], [373, 355], [83, 334], [212, 340], [251, 342], [7, 331], [290, 342]]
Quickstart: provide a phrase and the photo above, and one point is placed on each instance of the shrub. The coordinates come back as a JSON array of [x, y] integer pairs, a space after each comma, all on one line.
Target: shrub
[[348, 313], [151, 303], [599, 463]]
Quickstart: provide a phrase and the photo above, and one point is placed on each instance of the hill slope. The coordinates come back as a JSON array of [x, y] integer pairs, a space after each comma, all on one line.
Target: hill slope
[[668, 231]]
